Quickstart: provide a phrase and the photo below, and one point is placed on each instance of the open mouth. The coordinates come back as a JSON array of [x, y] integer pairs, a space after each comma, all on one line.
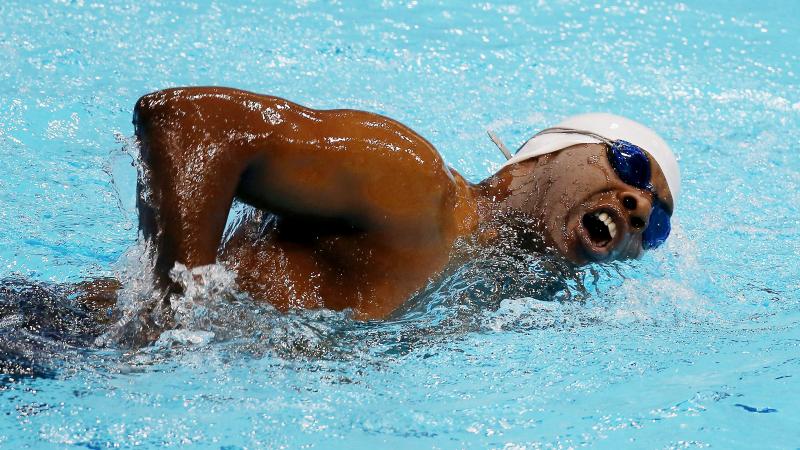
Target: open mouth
[[600, 228]]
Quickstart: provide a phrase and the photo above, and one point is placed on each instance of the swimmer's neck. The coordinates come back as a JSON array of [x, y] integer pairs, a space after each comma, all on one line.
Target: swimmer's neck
[[497, 202]]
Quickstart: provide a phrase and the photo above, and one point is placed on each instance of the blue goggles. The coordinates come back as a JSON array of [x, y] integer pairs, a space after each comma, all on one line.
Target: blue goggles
[[632, 166]]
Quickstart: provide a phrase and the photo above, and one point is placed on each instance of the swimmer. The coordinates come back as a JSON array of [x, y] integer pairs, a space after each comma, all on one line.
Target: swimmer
[[358, 211]]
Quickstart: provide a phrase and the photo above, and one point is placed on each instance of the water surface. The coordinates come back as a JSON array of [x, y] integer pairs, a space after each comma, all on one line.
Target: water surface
[[695, 345]]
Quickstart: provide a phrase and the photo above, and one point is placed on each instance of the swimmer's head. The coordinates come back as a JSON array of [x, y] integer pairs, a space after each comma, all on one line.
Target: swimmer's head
[[598, 186]]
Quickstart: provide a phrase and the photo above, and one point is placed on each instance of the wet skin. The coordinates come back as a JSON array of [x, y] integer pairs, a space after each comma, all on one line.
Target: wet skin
[[357, 210]]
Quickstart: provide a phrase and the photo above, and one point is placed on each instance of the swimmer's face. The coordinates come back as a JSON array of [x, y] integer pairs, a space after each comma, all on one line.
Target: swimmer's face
[[582, 208]]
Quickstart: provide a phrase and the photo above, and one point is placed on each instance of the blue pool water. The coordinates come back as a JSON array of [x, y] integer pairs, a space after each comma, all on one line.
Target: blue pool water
[[695, 345]]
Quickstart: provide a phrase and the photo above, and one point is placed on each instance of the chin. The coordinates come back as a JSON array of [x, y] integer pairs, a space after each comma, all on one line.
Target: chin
[[580, 247], [568, 248]]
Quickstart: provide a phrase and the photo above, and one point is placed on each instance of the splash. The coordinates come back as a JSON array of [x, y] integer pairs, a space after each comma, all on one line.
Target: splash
[[209, 310], [140, 309]]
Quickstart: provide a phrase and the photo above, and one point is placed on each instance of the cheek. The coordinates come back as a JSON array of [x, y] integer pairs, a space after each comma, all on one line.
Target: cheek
[[573, 192], [564, 187]]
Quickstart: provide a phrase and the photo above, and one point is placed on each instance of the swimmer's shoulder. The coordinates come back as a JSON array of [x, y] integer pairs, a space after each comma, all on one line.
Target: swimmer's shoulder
[[396, 139], [178, 99], [383, 138]]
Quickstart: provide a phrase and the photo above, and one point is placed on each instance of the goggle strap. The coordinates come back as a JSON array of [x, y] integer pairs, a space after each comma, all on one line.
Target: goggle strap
[[564, 130], [499, 144], [553, 130]]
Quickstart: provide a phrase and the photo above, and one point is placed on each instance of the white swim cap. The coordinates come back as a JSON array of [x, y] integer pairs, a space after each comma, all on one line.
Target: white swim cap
[[611, 127]]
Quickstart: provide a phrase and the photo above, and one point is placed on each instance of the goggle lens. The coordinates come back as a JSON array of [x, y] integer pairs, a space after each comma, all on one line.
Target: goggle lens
[[631, 163], [633, 167], [658, 228]]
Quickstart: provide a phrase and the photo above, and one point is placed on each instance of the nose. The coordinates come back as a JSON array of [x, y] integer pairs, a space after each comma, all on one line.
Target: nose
[[638, 206]]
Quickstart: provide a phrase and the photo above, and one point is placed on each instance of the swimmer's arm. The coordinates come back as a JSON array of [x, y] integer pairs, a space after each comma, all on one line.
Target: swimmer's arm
[[203, 147], [379, 179]]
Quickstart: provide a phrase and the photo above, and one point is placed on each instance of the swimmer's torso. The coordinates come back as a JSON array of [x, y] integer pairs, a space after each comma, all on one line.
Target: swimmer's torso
[[365, 210]]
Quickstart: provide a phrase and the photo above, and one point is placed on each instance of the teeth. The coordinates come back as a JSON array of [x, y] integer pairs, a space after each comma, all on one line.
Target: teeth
[[612, 227]]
